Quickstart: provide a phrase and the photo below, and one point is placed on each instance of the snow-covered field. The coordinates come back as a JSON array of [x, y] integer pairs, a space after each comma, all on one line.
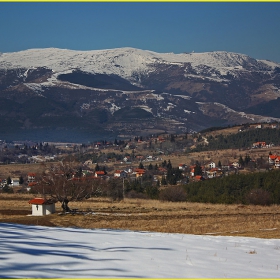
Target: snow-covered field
[[45, 252]]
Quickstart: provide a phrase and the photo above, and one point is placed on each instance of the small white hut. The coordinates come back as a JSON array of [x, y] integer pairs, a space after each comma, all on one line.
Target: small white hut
[[41, 206]]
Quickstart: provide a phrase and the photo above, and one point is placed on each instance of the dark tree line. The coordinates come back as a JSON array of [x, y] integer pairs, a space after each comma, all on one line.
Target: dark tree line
[[255, 188]]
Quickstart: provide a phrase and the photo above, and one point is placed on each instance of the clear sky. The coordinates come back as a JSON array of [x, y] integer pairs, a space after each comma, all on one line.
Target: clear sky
[[248, 28]]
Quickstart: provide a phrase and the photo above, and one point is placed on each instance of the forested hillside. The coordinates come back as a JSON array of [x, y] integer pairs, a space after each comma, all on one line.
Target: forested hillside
[[242, 139]]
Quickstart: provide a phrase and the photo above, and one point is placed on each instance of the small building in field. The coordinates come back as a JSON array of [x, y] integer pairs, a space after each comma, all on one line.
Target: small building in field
[[42, 207], [15, 182]]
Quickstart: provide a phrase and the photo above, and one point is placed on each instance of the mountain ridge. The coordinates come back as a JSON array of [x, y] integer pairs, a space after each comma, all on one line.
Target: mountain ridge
[[187, 91]]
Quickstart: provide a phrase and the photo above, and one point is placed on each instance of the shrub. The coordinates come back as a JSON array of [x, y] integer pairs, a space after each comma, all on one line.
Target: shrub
[[259, 197], [173, 193], [114, 189], [7, 189], [134, 194], [152, 191]]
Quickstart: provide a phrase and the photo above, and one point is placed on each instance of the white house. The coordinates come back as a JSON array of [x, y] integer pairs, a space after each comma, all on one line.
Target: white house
[[235, 164], [120, 174], [41, 206], [211, 164], [126, 159], [15, 182], [182, 166]]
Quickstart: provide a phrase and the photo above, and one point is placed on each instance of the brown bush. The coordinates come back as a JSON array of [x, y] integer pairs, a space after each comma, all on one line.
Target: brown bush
[[259, 197], [173, 193], [134, 194]]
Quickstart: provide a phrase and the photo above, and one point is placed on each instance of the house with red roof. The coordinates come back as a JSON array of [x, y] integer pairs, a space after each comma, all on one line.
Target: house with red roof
[[214, 172], [277, 162], [182, 166], [42, 206], [198, 178], [139, 172], [274, 160], [31, 177], [99, 174]]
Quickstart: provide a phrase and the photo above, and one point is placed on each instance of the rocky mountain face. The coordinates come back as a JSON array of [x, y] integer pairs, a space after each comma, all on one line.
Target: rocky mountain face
[[64, 95]]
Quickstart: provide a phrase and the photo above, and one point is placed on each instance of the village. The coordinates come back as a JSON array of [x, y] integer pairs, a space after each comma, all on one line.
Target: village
[[157, 160]]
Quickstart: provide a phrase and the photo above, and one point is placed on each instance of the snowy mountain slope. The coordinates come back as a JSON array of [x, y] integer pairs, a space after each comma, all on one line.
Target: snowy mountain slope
[[122, 61], [189, 91]]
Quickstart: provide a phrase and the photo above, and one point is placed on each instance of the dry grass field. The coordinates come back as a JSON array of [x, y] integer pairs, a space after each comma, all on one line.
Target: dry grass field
[[151, 215], [15, 170]]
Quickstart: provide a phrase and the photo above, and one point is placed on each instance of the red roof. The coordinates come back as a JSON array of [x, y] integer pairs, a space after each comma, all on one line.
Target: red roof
[[139, 170], [162, 169], [99, 172], [38, 201], [273, 157], [214, 169]]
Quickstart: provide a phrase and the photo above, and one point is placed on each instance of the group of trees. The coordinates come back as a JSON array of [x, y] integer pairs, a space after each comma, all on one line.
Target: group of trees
[[64, 183], [254, 188], [243, 139]]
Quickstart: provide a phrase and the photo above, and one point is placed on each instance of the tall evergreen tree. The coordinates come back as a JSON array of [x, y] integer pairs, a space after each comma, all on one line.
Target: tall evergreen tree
[[241, 161], [169, 165], [197, 169], [21, 181], [163, 181], [97, 168], [9, 181]]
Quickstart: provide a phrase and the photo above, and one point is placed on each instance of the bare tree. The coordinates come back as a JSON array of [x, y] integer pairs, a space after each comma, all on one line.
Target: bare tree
[[64, 182]]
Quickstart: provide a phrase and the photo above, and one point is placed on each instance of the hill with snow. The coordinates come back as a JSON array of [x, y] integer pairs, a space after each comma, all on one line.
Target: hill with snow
[[111, 90]]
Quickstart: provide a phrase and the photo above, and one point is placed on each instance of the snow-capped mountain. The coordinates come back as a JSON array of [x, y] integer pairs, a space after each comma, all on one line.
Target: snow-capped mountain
[[111, 90], [124, 62]]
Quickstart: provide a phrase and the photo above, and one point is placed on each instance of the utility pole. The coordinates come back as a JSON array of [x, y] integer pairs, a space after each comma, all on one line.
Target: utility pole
[[123, 187]]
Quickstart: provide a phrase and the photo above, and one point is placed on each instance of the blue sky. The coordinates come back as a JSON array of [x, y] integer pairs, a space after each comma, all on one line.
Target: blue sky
[[248, 28]]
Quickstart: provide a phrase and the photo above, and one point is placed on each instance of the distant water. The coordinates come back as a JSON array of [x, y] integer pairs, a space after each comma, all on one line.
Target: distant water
[[52, 135]]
